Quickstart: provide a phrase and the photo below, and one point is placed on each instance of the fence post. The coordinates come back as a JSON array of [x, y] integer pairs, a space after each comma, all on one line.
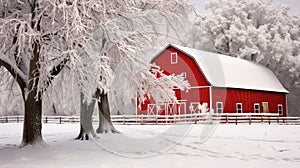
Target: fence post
[[236, 120], [46, 119], [59, 119], [156, 119], [269, 120], [123, 119], [142, 119], [249, 119], [175, 119], [6, 119], [226, 118], [17, 119]]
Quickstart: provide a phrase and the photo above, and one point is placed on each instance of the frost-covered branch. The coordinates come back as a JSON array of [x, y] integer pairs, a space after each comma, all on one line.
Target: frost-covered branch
[[260, 31], [12, 68], [160, 86]]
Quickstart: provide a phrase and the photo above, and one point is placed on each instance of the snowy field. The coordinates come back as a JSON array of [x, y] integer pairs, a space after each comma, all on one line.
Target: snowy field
[[257, 145]]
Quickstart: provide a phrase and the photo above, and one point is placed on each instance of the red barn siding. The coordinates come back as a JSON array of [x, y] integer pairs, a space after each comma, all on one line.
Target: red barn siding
[[193, 75], [185, 64], [195, 95], [248, 98]]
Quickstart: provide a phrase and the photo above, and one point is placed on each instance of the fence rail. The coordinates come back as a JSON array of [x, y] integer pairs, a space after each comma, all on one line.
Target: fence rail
[[229, 118]]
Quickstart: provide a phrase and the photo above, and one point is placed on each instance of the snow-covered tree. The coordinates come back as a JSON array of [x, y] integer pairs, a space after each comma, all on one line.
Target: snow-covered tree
[[37, 39], [256, 30], [128, 31], [41, 38]]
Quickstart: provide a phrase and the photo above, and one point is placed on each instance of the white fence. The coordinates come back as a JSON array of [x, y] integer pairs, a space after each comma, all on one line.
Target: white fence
[[174, 119]]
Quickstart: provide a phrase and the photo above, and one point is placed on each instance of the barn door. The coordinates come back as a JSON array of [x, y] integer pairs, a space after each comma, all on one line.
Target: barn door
[[181, 108], [171, 109], [151, 109], [265, 107], [176, 108], [155, 109]]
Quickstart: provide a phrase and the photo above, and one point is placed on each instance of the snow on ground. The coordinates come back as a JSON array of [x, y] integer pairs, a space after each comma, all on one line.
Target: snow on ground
[[256, 145]]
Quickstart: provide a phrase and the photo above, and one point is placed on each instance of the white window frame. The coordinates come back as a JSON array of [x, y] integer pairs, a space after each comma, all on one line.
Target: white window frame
[[183, 75], [174, 60], [217, 108], [237, 110], [280, 105], [258, 107]]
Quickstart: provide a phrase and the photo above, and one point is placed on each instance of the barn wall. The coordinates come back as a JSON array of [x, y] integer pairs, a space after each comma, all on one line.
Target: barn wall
[[142, 109], [193, 75], [193, 95], [185, 64], [196, 95], [230, 97]]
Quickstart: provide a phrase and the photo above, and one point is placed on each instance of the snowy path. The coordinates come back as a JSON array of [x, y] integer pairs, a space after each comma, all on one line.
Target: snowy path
[[232, 146]]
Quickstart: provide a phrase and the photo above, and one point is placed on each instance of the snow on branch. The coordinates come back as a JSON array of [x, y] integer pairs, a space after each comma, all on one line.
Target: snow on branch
[[146, 80], [82, 35], [14, 70]]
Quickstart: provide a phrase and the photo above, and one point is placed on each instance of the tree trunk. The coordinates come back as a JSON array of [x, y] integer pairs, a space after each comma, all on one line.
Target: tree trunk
[[32, 130], [86, 114], [105, 124]]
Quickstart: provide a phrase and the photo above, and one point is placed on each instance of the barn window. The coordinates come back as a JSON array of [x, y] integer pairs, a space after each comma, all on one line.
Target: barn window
[[183, 75], [219, 107], [174, 58], [239, 107], [256, 108], [280, 109]]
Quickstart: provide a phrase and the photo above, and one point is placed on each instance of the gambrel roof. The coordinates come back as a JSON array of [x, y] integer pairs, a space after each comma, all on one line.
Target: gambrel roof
[[229, 72]]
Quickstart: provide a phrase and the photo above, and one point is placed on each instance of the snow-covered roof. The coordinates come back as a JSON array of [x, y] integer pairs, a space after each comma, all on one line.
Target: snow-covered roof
[[225, 71]]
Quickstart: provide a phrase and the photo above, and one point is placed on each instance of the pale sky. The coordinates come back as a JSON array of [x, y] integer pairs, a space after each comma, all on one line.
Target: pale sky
[[293, 4]]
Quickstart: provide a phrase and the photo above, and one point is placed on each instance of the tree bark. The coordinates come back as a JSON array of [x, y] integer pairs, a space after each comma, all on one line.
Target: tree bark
[[86, 114], [32, 130], [105, 124]]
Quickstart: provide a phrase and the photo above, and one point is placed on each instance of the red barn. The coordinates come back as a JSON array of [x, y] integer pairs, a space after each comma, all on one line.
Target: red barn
[[226, 84]]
